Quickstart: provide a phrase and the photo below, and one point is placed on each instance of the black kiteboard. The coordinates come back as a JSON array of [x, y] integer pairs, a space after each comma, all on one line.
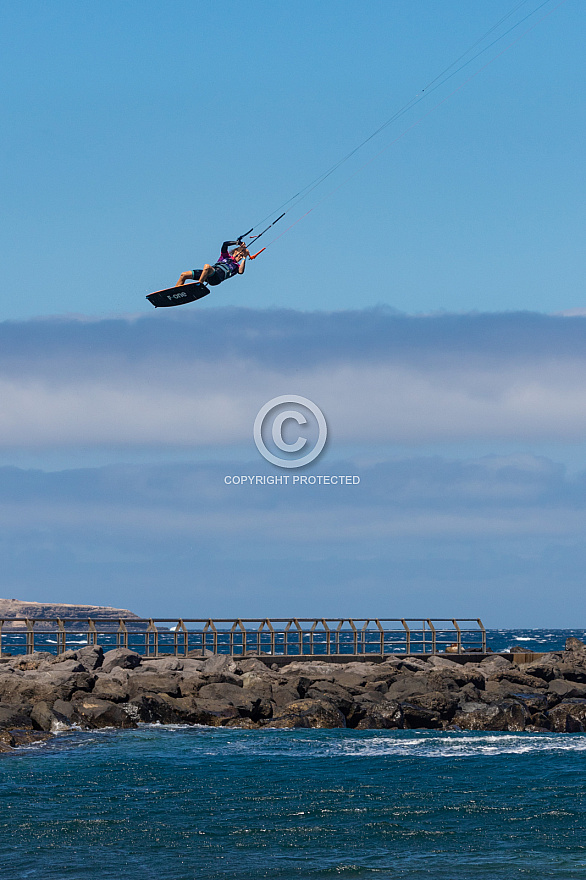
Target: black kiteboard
[[177, 296]]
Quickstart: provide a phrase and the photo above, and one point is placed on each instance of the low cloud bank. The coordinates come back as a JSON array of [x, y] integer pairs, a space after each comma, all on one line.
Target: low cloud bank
[[197, 379]]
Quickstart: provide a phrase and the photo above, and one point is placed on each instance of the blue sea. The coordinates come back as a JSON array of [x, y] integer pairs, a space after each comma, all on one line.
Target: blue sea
[[182, 803], [178, 803]]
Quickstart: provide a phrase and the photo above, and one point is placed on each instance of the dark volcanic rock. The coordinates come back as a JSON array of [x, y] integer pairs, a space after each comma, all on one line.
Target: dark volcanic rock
[[93, 712], [568, 717], [155, 683], [44, 685], [160, 708], [14, 716], [408, 685], [333, 693], [65, 708], [576, 647], [309, 713], [506, 715], [123, 657], [415, 717], [517, 677], [284, 692], [108, 688], [534, 703], [91, 657], [189, 684], [45, 718], [257, 687], [120, 688], [495, 691], [561, 688], [228, 695], [442, 704], [386, 715], [214, 714]]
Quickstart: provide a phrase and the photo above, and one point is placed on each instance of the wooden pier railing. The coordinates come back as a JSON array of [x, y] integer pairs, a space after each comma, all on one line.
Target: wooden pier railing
[[277, 638]]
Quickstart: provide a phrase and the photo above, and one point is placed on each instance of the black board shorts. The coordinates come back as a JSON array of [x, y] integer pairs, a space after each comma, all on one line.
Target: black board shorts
[[219, 274]]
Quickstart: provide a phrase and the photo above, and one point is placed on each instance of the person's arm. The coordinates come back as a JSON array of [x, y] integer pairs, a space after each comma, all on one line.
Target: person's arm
[[228, 244], [242, 266]]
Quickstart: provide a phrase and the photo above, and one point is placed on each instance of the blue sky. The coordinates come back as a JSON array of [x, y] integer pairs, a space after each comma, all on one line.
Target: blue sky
[[138, 135], [431, 304]]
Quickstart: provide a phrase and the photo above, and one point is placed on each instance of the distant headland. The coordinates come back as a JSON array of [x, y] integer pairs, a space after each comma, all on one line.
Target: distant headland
[[18, 609]]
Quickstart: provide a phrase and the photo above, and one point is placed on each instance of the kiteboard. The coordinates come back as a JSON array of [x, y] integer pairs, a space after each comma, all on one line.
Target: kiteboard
[[177, 296]]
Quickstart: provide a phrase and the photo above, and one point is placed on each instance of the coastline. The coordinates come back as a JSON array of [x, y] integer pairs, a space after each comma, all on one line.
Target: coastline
[[42, 694]]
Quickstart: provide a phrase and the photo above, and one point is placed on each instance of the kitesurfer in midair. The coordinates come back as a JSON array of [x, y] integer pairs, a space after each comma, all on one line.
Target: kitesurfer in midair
[[229, 263]]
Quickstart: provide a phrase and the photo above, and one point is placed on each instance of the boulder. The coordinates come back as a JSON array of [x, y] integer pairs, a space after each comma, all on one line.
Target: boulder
[[386, 715], [219, 663], [108, 688], [253, 664], [561, 688], [256, 687], [534, 703], [191, 666], [45, 718], [470, 694], [163, 665], [93, 713], [568, 717], [91, 657], [228, 695], [416, 717], [572, 671], [45, 685], [12, 739], [190, 683], [154, 682], [214, 714], [224, 678], [495, 691], [30, 661], [540, 723], [444, 705], [517, 677], [450, 679], [505, 715], [123, 657], [14, 716], [309, 714], [490, 665], [284, 692], [333, 693], [546, 668], [160, 708], [409, 685], [242, 723], [575, 646], [64, 708], [314, 669]]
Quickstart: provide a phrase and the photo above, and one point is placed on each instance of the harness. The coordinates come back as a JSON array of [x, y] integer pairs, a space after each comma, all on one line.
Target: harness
[[227, 269]]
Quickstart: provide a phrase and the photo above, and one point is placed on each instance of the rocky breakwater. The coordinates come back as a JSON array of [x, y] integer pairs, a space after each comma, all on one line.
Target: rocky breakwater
[[41, 694]]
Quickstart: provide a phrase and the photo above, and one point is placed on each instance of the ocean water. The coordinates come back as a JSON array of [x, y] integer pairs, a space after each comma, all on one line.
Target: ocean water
[[177, 803], [497, 640]]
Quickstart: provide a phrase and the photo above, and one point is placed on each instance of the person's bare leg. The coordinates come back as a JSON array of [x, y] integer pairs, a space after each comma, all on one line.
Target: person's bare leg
[[207, 270], [183, 278]]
